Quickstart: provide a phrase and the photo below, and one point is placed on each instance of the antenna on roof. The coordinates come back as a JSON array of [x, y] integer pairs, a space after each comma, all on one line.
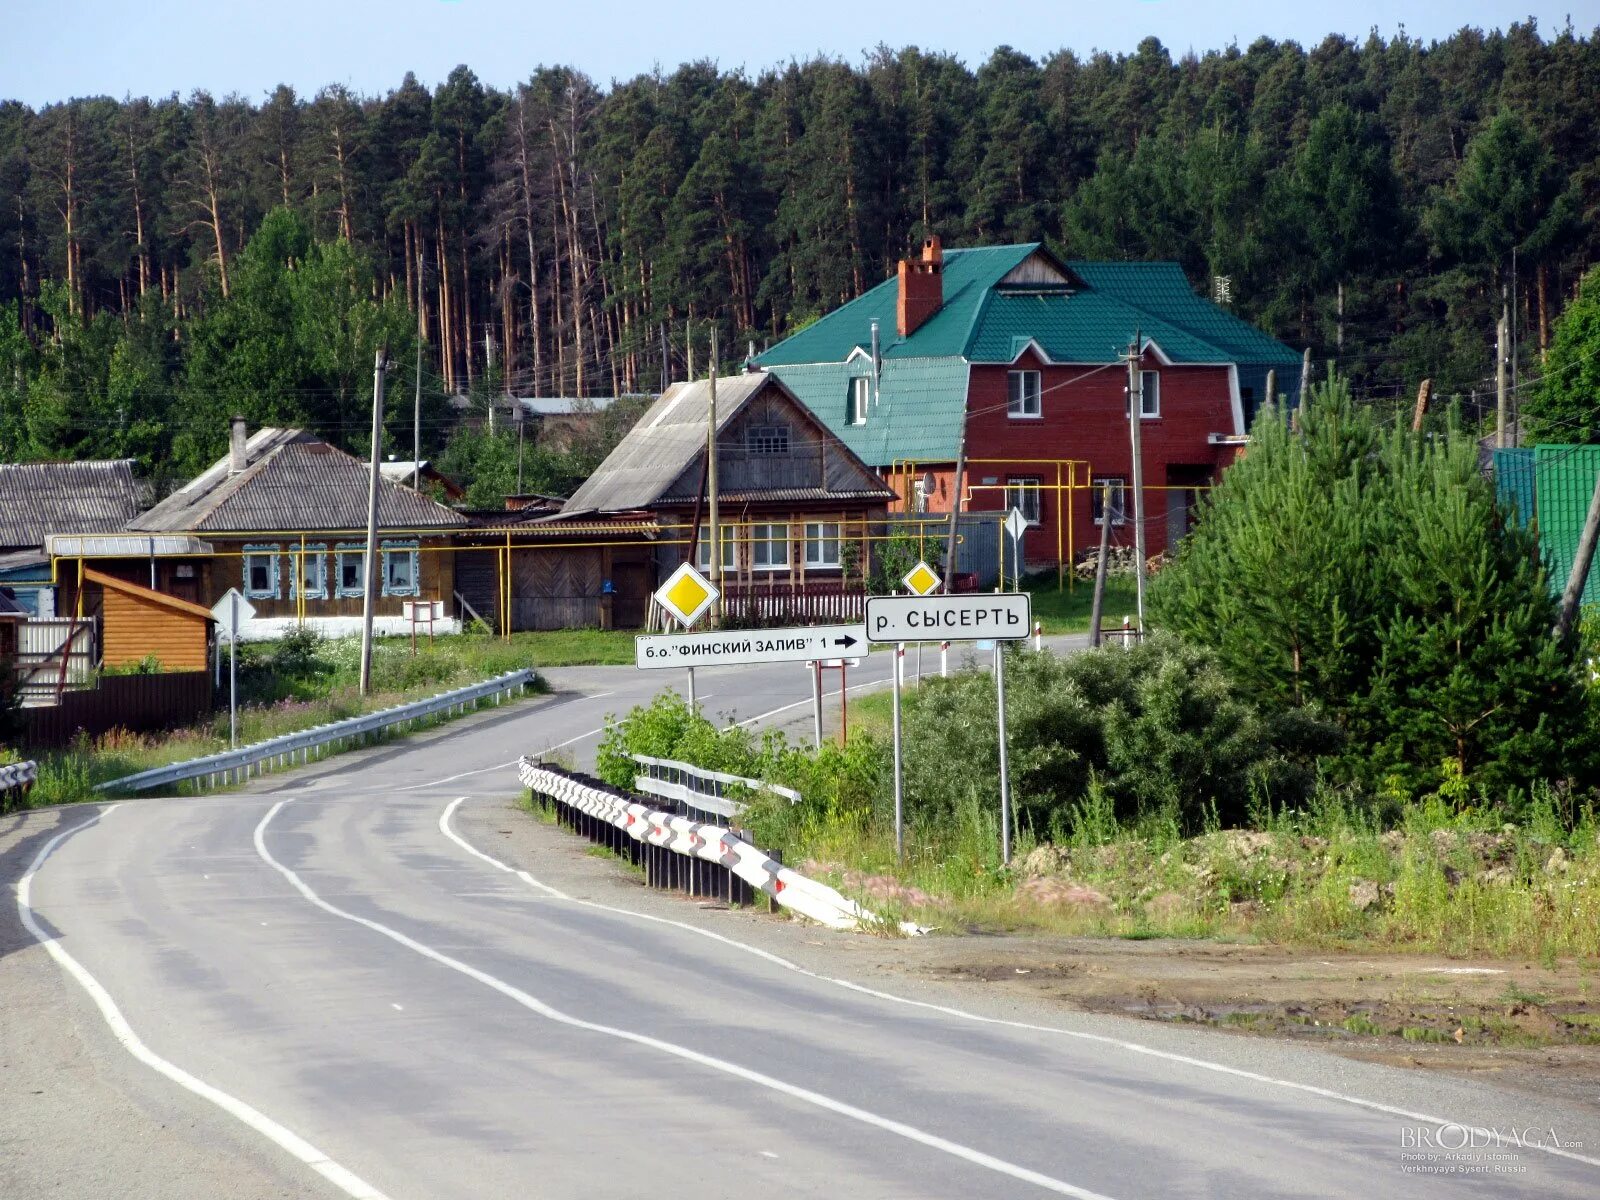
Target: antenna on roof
[[877, 364]]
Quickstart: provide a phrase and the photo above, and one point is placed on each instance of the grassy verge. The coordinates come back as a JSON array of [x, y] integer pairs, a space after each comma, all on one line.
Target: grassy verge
[[1067, 609], [284, 688]]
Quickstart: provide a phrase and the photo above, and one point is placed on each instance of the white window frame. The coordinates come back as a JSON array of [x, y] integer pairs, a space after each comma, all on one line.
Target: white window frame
[[275, 588], [826, 545], [763, 537], [1119, 498], [1018, 394], [344, 551], [315, 556], [1026, 492], [702, 548], [1149, 396], [395, 552], [859, 399]]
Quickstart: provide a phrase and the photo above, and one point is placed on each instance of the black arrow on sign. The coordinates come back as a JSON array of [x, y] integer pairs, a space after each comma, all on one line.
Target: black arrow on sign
[[846, 640]]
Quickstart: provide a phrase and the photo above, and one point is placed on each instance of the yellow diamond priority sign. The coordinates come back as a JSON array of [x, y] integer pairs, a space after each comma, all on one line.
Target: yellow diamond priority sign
[[686, 595], [922, 579]]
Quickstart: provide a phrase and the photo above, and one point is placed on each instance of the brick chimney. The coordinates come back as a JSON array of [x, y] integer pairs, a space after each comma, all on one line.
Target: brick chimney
[[238, 460], [921, 287]]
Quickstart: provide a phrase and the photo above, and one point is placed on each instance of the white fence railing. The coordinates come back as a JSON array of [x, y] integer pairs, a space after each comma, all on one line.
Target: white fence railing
[[18, 775], [696, 840], [699, 789], [260, 757]]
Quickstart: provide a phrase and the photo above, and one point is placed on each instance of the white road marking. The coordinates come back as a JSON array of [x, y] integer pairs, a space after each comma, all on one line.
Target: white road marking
[[414, 787], [340, 1177], [768, 1154], [772, 1083], [397, 1008], [1101, 1039]]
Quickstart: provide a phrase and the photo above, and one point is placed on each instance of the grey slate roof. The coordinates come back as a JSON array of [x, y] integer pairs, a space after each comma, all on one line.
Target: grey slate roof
[[291, 482], [664, 442], [647, 467], [39, 499]]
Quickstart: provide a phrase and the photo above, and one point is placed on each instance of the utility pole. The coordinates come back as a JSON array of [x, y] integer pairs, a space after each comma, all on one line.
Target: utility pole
[[713, 530], [1305, 376], [1135, 419], [1096, 608], [488, 370], [380, 364], [1572, 596], [416, 426], [1424, 394], [1272, 388], [666, 370], [1500, 335], [688, 350]]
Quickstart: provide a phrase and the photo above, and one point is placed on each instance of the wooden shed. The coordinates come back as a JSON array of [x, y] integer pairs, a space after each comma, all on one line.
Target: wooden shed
[[139, 623]]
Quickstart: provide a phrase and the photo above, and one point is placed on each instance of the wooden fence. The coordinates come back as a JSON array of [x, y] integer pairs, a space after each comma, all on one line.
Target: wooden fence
[[138, 703]]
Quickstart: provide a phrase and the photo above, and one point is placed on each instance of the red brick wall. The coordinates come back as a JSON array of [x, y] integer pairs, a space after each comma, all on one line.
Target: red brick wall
[[1084, 417]]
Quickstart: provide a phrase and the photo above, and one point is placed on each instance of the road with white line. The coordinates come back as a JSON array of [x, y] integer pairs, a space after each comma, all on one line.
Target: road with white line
[[371, 978]]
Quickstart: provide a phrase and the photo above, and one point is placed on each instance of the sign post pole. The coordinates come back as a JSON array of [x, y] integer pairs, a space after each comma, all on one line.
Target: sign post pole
[[233, 675], [816, 702], [693, 707], [1005, 781], [899, 795]]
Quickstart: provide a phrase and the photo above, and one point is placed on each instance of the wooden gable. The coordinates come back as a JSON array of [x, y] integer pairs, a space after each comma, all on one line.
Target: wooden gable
[[774, 443]]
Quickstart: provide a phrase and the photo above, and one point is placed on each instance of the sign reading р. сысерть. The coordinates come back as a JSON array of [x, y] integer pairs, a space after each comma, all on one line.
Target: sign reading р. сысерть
[[964, 617]]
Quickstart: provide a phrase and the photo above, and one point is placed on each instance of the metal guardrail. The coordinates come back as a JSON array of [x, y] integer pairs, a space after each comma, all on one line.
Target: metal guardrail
[[18, 775], [699, 790], [701, 858], [260, 757]]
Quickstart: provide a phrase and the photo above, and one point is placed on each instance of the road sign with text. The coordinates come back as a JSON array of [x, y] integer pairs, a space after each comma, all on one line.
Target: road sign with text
[[737, 647], [963, 617]]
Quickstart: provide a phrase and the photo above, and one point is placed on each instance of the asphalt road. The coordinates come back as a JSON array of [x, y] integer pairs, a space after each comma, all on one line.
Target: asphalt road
[[342, 982]]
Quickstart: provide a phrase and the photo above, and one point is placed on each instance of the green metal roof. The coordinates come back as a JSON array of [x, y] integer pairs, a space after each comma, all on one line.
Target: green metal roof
[[1564, 483], [919, 414], [1090, 319], [1161, 290], [968, 276]]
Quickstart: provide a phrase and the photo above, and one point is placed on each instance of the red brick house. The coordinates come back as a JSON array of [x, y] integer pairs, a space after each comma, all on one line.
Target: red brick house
[[1016, 359]]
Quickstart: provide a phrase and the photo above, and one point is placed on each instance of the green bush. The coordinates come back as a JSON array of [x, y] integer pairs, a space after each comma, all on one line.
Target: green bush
[[1156, 731], [1371, 577]]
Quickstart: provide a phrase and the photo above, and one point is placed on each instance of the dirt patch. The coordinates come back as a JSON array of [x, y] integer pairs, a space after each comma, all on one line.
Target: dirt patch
[[1536, 1027]]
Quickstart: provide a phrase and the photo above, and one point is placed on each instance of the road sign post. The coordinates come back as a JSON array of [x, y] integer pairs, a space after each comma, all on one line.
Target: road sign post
[[231, 612], [815, 670], [687, 594], [1002, 617]]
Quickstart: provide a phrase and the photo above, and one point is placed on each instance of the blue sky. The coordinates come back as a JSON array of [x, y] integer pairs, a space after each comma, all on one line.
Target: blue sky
[[50, 49]]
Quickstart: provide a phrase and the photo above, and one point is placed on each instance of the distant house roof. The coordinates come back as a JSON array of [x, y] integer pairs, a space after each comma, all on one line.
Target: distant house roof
[[39, 499], [291, 482], [10, 610], [672, 435], [999, 301], [404, 470], [187, 607]]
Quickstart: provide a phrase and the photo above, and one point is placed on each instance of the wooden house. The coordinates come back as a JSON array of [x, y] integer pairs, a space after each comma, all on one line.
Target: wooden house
[[282, 517], [797, 508], [38, 500]]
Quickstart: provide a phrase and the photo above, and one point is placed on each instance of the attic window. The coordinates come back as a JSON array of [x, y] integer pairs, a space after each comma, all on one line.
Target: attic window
[[860, 394], [767, 439]]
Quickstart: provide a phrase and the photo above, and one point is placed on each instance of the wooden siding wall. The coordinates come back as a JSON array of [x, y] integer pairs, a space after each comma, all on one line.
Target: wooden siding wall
[[136, 628], [435, 572]]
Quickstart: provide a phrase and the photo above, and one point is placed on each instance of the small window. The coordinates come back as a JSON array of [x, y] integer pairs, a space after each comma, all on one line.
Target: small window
[[1149, 395], [822, 544], [702, 547], [352, 570], [767, 439], [860, 395], [1022, 492], [769, 547], [919, 495], [400, 574], [261, 580], [1096, 497], [312, 572], [1022, 394]]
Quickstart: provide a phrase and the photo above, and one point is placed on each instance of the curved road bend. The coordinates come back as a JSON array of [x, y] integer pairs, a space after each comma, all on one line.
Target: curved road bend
[[338, 973]]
